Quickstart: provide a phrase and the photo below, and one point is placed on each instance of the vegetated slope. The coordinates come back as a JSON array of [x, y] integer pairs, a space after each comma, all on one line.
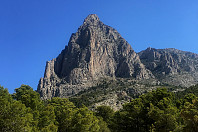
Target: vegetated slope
[[156, 111], [190, 90], [115, 93]]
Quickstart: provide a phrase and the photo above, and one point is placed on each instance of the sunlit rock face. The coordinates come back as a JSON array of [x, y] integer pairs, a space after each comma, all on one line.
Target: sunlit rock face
[[171, 66], [95, 51]]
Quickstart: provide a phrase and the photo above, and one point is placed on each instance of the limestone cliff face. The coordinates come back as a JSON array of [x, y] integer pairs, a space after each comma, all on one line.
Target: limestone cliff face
[[95, 51], [172, 66]]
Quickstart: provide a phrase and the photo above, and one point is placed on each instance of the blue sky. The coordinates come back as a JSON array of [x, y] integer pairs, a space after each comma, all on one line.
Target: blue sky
[[35, 31]]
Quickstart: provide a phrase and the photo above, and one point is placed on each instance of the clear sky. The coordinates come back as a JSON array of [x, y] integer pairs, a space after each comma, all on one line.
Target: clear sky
[[35, 31]]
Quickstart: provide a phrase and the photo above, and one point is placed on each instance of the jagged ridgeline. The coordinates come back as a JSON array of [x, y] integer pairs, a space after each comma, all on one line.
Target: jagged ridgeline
[[171, 66], [95, 51], [97, 55]]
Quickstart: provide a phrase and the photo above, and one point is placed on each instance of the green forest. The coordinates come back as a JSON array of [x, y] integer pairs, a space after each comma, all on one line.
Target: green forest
[[156, 111]]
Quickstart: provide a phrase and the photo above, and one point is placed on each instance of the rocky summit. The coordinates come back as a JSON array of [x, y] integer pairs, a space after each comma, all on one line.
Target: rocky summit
[[95, 51], [99, 61]]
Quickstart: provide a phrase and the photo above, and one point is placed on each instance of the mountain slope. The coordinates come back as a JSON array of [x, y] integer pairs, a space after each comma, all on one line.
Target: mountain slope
[[99, 67], [95, 51], [171, 66]]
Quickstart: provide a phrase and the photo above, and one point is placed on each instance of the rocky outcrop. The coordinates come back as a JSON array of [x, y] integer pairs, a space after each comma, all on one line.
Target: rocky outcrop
[[95, 51], [171, 66]]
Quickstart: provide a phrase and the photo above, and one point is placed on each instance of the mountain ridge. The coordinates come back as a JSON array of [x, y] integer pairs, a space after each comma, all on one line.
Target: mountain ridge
[[170, 63], [97, 53]]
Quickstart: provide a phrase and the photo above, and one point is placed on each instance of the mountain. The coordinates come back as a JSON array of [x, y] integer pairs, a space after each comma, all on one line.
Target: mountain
[[94, 52], [171, 66], [99, 67]]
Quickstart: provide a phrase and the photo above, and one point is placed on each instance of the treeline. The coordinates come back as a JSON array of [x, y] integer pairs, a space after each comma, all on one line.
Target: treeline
[[25, 112], [156, 111], [192, 89]]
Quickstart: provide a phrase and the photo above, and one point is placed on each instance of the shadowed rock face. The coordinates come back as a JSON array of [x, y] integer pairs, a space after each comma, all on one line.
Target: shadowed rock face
[[171, 66], [95, 51]]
